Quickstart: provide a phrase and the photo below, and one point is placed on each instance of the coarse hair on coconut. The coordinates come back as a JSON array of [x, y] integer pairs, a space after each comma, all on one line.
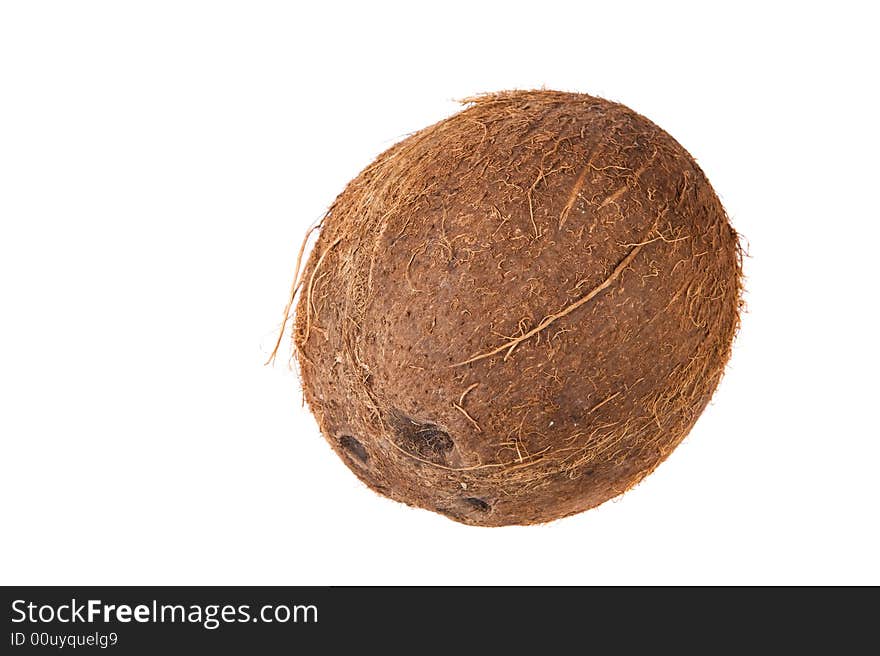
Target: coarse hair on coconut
[[517, 313]]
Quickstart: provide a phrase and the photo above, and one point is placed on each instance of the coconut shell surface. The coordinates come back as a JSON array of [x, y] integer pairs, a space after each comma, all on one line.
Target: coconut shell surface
[[516, 314]]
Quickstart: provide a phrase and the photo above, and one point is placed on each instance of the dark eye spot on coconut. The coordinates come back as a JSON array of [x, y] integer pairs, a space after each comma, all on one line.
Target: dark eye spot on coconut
[[425, 440], [477, 504], [354, 448]]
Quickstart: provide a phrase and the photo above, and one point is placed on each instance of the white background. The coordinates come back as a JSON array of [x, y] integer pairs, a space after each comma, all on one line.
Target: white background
[[159, 163]]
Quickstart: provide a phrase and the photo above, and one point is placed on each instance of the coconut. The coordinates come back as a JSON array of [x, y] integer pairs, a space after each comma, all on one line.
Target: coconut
[[517, 313]]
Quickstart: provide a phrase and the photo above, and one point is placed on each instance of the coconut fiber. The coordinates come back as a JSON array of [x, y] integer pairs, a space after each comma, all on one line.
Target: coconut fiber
[[517, 313]]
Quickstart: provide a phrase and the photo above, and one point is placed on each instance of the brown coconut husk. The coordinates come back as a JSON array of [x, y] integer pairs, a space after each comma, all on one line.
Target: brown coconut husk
[[517, 313]]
